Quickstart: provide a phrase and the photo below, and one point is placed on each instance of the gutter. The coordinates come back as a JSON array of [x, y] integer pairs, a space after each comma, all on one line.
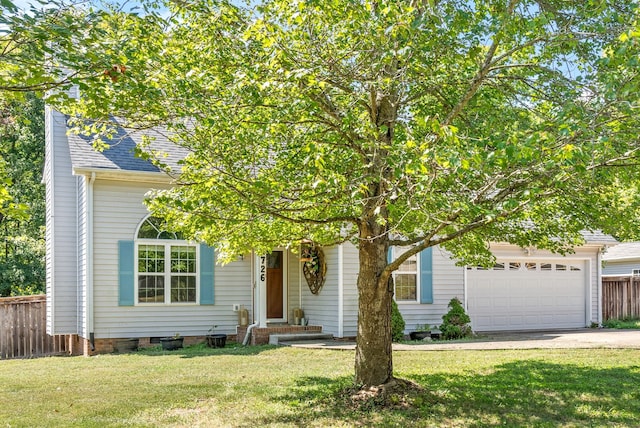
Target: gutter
[[124, 175], [89, 274]]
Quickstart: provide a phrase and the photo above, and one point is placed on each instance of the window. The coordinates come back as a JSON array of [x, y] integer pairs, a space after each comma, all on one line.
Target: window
[[166, 266], [405, 278]]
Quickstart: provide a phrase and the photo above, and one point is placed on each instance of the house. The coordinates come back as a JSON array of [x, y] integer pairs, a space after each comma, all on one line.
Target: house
[[622, 260], [112, 273]]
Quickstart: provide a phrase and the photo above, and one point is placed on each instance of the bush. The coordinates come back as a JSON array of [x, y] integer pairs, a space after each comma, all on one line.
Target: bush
[[397, 323], [456, 322], [623, 323]]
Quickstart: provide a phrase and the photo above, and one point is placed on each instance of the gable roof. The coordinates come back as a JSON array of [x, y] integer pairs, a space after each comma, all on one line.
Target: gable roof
[[598, 237], [623, 251], [120, 155]]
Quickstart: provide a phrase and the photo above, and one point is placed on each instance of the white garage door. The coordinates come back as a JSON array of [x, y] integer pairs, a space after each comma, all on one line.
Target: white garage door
[[531, 295]]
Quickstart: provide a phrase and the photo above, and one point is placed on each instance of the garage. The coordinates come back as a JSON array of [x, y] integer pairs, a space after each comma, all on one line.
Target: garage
[[528, 295]]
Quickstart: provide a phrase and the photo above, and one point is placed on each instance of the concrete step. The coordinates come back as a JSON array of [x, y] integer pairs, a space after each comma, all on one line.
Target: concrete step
[[277, 339]]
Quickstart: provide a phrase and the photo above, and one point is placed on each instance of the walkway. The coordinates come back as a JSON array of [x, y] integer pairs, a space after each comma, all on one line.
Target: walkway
[[583, 338]]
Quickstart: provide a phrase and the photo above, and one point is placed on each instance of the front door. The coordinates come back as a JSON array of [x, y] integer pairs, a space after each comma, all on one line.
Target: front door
[[275, 285]]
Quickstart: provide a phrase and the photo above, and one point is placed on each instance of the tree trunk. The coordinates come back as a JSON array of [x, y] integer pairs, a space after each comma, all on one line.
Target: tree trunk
[[373, 364]]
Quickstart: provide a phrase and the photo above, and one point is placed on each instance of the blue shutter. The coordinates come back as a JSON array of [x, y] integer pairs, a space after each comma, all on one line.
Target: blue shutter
[[126, 273], [206, 275], [426, 276]]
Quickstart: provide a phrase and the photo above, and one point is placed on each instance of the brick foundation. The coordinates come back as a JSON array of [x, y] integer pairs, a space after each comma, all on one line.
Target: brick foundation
[[107, 346], [260, 335]]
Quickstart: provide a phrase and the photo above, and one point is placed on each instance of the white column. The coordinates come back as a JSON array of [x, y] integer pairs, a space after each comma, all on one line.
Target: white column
[[262, 289]]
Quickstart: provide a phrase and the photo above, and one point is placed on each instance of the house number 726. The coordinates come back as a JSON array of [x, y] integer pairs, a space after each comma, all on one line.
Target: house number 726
[[263, 268]]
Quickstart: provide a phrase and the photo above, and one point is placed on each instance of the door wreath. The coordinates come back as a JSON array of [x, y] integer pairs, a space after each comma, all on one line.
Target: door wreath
[[314, 267]]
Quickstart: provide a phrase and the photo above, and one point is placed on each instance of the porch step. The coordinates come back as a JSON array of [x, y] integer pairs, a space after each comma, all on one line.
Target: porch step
[[277, 339]]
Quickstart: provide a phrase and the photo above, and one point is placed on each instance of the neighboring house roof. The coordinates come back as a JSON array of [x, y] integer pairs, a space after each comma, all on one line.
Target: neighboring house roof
[[623, 251], [120, 155]]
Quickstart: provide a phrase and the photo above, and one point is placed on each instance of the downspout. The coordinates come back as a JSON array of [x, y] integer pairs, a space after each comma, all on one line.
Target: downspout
[[255, 323], [340, 290], [90, 261]]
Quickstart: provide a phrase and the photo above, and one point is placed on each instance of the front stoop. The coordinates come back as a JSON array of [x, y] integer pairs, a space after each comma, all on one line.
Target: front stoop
[[280, 339], [261, 335]]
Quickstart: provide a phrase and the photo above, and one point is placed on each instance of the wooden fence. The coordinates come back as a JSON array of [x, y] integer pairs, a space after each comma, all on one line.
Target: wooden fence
[[23, 332], [620, 297]]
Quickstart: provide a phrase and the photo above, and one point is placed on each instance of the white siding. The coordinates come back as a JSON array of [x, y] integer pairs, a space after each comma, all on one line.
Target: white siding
[[448, 282], [61, 229], [118, 210], [293, 286], [322, 309], [350, 290], [625, 267]]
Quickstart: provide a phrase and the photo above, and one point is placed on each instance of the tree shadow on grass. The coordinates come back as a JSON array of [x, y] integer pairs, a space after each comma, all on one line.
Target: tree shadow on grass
[[526, 393], [202, 350]]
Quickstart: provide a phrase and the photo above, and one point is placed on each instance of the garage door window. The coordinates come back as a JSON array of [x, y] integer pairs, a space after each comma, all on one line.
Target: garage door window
[[530, 266]]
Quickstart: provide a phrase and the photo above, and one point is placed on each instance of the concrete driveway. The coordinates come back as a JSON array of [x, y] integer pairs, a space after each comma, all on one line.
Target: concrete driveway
[[566, 339]]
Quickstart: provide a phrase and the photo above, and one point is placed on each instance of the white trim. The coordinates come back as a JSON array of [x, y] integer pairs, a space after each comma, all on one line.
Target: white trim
[[465, 285], [261, 275], [167, 244], [340, 290], [89, 271], [588, 312], [50, 147], [123, 175], [401, 272], [599, 279]]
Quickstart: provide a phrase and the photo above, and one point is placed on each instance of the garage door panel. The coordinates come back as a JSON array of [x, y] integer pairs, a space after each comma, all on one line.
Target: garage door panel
[[528, 298]]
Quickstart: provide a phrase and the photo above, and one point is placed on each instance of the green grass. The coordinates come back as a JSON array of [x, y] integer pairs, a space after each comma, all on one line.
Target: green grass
[[266, 386], [623, 323]]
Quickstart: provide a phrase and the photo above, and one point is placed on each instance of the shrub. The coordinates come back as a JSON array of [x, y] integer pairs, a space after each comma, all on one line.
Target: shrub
[[456, 322], [623, 323], [397, 323]]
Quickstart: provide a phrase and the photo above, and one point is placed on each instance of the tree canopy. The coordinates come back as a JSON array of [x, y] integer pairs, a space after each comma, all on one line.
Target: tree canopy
[[404, 123], [22, 215]]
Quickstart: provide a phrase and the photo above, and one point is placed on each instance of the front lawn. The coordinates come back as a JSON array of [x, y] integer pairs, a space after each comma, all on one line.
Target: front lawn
[[265, 386]]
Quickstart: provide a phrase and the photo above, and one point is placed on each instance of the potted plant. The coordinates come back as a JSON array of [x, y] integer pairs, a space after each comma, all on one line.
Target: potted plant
[[421, 332], [216, 340], [171, 343]]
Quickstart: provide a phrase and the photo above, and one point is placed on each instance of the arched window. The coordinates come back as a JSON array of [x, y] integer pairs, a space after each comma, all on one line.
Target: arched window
[[167, 268]]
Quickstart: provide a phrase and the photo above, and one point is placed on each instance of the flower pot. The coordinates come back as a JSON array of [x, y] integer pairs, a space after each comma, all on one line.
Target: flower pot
[[171, 343], [126, 345], [435, 335], [216, 340], [419, 335]]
